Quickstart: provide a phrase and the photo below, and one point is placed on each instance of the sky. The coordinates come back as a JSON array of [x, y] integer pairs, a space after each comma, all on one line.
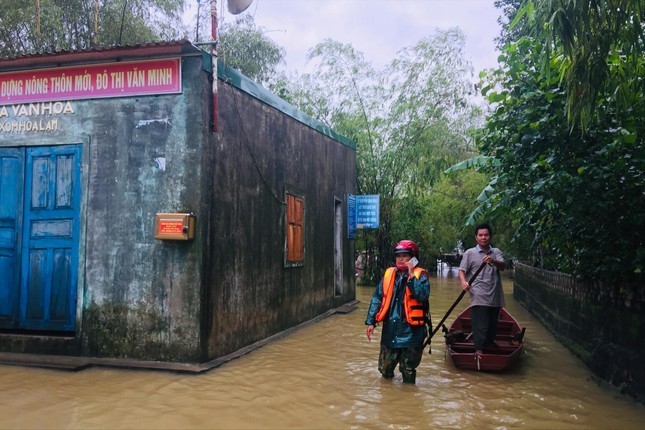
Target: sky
[[378, 28]]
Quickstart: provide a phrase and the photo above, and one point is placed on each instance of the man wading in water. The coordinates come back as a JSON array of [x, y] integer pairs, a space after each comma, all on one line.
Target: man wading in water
[[401, 303]]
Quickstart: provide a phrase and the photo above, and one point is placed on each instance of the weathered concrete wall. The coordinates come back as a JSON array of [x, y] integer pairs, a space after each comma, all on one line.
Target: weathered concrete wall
[[603, 326], [138, 297], [142, 297], [262, 153], [145, 299]]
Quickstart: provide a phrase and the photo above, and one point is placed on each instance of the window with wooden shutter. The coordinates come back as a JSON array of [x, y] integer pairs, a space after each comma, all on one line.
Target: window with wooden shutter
[[295, 228]]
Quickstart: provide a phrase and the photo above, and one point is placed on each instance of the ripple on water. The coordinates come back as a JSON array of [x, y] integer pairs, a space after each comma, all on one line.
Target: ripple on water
[[325, 376]]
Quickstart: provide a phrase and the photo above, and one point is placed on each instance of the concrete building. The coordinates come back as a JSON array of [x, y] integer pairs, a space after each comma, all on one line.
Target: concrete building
[[146, 217]]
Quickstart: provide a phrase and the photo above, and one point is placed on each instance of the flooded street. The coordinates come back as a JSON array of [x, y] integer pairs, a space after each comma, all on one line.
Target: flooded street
[[325, 376]]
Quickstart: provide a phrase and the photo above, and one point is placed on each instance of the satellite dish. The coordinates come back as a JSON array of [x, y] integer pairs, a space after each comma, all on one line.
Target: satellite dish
[[238, 6]]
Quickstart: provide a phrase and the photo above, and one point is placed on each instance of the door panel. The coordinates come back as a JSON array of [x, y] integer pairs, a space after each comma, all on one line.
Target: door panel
[[50, 244], [338, 247], [61, 304], [37, 284], [11, 192]]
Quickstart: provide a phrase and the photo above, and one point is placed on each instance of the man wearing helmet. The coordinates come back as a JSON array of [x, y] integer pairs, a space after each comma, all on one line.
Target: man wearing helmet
[[401, 303]]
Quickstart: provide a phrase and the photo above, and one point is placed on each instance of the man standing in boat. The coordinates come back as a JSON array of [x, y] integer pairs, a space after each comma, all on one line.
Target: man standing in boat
[[401, 303], [486, 293]]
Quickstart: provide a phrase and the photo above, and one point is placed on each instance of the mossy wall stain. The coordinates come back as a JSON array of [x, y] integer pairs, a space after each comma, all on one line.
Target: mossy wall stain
[[140, 333]]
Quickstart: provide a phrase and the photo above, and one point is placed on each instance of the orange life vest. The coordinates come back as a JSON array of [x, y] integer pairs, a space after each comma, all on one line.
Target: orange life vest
[[415, 311]]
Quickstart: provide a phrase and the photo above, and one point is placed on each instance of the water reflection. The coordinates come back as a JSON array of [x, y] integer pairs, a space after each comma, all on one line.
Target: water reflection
[[325, 376]]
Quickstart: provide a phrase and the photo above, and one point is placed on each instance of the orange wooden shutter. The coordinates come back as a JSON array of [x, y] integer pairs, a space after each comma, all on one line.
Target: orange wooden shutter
[[295, 218]]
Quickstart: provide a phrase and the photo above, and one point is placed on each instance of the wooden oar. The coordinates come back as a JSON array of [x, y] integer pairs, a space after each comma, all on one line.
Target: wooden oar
[[436, 329]]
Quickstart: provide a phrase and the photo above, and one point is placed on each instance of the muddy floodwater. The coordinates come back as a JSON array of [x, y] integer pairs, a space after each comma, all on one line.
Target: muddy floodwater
[[324, 376]]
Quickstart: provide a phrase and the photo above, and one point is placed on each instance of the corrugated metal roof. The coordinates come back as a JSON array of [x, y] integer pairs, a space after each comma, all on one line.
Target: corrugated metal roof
[[100, 54]]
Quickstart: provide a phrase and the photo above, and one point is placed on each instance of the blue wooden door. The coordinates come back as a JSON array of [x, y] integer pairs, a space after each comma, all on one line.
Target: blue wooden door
[[49, 275], [12, 162]]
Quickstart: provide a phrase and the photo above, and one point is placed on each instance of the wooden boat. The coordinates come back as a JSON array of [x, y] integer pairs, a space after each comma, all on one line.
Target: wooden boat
[[509, 341]]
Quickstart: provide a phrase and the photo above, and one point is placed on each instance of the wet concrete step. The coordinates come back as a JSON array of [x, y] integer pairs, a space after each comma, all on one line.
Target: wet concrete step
[[347, 307], [73, 363], [60, 362]]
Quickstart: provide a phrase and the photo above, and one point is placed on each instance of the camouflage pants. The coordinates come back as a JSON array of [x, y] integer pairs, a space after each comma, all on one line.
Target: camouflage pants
[[407, 358]]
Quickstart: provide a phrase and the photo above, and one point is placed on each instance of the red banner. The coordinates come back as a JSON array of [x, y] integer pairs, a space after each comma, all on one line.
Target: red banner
[[92, 81]]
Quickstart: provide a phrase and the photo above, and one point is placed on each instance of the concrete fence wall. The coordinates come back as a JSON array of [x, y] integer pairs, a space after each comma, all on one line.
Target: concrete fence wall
[[602, 325]]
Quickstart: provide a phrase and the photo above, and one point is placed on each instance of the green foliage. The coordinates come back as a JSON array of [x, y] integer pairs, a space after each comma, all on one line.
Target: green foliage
[[74, 24], [247, 48], [590, 35], [576, 197], [472, 163], [410, 121], [437, 218], [201, 22], [509, 33]]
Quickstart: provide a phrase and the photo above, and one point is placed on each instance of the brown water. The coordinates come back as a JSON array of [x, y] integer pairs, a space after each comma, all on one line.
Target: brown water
[[325, 376]]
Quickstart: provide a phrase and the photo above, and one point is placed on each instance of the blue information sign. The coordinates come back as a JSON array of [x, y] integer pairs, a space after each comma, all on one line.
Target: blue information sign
[[362, 212], [367, 211], [351, 216]]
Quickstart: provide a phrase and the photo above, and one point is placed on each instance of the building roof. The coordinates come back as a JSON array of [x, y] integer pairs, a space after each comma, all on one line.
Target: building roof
[[100, 55]]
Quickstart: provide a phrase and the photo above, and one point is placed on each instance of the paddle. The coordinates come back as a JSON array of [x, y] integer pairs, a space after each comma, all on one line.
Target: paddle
[[436, 329]]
